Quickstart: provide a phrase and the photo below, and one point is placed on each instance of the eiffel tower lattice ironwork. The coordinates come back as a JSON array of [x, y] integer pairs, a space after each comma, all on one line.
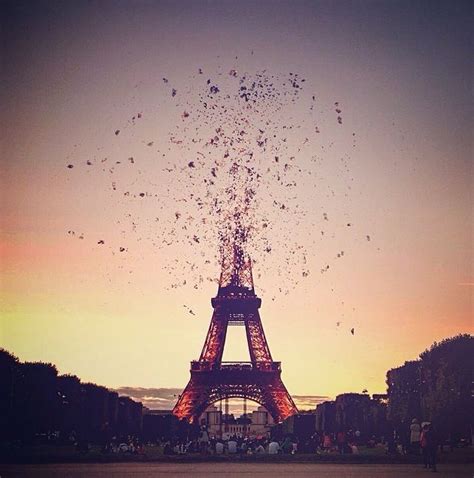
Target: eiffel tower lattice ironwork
[[212, 379]]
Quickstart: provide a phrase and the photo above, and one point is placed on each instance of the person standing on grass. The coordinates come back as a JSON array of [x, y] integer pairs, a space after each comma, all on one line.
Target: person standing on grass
[[432, 443], [424, 444], [203, 440], [327, 443], [415, 431], [341, 441]]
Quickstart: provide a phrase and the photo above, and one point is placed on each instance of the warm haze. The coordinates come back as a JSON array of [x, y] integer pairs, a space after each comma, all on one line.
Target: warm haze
[[74, 74]]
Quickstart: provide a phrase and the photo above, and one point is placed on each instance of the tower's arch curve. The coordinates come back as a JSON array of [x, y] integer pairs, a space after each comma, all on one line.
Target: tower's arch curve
[[217, 397]]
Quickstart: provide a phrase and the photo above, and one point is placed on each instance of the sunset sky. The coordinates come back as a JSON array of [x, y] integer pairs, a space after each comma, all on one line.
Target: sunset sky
[[398, 170]]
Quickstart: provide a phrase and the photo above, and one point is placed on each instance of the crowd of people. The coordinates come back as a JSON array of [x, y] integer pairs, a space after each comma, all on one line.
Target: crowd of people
[[340, 442], [232, 445], [422, 441]]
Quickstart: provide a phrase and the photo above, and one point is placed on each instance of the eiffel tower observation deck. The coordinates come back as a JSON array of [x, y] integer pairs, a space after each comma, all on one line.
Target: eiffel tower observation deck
[[213, 380]]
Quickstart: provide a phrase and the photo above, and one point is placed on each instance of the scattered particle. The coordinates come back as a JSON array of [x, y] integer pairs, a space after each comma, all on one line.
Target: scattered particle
[[241, 152]]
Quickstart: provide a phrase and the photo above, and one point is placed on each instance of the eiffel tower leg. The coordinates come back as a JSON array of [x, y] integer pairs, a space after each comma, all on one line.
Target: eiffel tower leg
[[258, 347], [191, 401], [215, 340], [277, 400]]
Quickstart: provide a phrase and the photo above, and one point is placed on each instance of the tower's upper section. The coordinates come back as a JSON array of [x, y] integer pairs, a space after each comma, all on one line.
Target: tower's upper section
[[236, 271]]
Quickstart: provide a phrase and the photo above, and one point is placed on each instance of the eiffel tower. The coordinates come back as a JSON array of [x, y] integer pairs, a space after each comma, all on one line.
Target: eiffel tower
[[212, 380]]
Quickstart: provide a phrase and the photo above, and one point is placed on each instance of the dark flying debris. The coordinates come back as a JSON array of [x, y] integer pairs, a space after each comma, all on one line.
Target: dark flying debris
[[241, 145]]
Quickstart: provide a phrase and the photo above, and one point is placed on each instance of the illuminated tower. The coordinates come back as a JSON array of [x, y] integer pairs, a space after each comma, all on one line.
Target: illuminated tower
[[212, 380]]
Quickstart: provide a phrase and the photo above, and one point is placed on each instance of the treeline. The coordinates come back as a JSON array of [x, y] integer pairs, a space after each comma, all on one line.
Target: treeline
[[35, 401], [354, 411], [437, 388]]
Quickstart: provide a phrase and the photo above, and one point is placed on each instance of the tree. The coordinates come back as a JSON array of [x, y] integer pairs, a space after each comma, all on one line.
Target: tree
[[9, 373], [37, 402], [446, 379], [436, 388], [404, 393]]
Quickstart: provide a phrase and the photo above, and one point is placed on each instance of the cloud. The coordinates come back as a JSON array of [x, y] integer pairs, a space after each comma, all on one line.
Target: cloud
[[309, 402], [165, 399], [153, 398]]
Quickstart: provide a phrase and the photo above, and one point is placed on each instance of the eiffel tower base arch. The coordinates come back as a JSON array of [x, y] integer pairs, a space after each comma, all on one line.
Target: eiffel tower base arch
[[235, 380]]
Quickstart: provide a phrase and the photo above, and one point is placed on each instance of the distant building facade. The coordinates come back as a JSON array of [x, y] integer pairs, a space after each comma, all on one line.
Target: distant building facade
[[254, 424]]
